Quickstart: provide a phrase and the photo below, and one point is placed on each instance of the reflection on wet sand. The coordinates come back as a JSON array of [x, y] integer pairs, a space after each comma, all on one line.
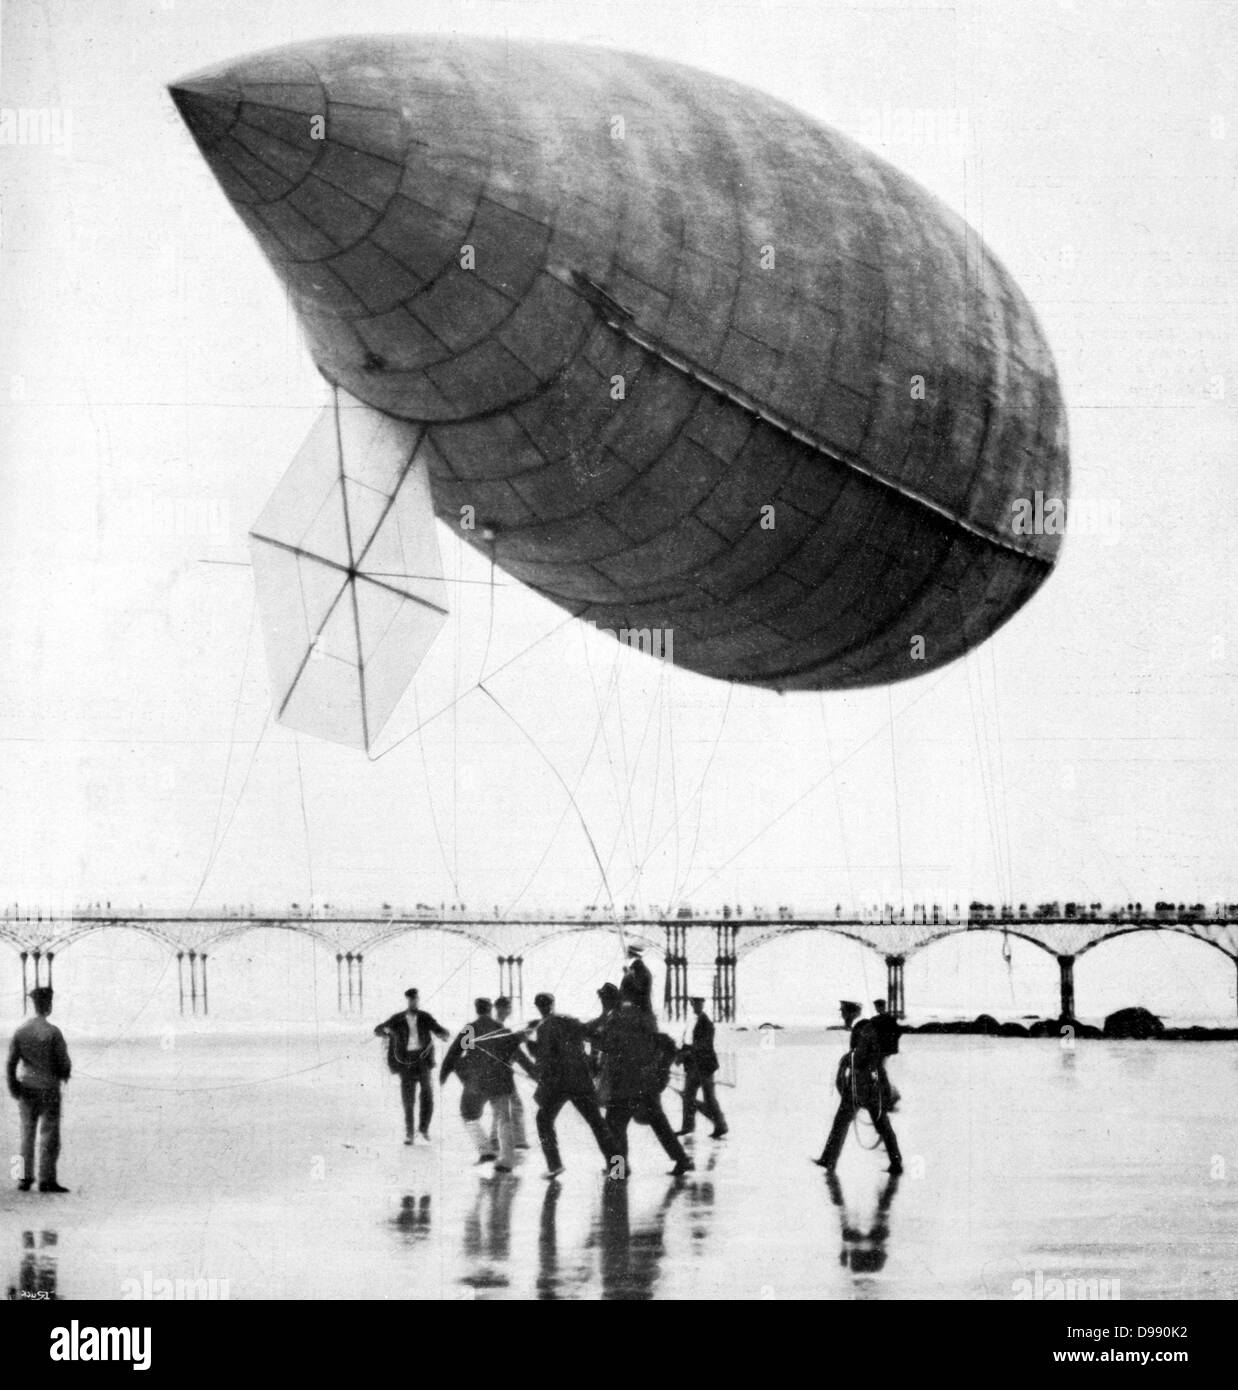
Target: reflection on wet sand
[[629, 1256], [631, 1260], [701, 1204], [412, 1221], [864, 1250], [487, 1242], [554, 1281], [36, 1275]]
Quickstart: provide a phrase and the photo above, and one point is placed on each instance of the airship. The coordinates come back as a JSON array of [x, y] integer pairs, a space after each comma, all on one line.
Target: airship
[[669, 352]]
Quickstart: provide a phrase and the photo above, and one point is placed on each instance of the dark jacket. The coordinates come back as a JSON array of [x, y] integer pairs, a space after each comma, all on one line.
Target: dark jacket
[[482, 1055], [559, 1054], [637, 1060], [402, 1052], [637, 984], [38, 1047], [887, 1030], [859, 1070], [699, 1055]]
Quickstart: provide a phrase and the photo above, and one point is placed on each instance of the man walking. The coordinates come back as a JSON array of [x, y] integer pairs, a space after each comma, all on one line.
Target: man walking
[[558, 1048], [637, 1070], [700, 1063], [38, 1066], [858, 1081], [410, 1056]]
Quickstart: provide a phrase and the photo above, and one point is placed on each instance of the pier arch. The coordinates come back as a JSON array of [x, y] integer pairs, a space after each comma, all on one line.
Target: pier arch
[[571, 962], [262, 973], [449, 966], [119, 972], [984, 970], [798, 977], [1172, 972]]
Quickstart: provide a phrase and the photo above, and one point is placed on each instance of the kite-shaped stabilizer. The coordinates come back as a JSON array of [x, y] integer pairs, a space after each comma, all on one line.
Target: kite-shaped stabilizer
[[348, 574]]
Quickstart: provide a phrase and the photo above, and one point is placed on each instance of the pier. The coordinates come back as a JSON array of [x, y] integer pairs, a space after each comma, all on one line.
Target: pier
[[686, 938]]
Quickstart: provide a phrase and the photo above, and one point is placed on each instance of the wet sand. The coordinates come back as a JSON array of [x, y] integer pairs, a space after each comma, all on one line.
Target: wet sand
[[275, 1167]]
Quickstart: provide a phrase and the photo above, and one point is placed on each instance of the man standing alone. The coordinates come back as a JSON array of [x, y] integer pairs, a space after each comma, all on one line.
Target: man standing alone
[[410, 1056], [38, 1066]]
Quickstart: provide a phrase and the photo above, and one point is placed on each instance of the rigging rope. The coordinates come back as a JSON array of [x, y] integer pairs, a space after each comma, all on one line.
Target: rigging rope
[[820, 782], [563, 814], [236, 714], [584, 825], [425, 771]]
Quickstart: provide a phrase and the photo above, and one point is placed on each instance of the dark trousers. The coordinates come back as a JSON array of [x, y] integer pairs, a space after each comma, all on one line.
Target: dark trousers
[[620, 1113], [422, 1074], [707, 1105], [587, 1107], [842, 1119], [889, 1092], [40, 1111]]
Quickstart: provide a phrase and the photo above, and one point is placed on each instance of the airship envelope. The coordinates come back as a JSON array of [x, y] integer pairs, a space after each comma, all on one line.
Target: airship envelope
[[695, 363]]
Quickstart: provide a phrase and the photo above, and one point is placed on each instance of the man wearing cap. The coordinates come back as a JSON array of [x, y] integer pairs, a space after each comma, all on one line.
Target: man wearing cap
[[700, 1063], [638, 1068], [558, 1048], [858, 1081], [637, 984], [38, 1066], [410, 1056], [482, 1055]]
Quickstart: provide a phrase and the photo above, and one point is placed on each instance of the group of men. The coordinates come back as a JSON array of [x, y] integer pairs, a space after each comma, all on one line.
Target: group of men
[[611, 1070]]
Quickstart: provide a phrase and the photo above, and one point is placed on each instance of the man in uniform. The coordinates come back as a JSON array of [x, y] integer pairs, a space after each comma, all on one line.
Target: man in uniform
[[885, 1025], [858, 1081], [637, 982], [558, 1048], [410, 1056], [38, 1066], [700, 1063]]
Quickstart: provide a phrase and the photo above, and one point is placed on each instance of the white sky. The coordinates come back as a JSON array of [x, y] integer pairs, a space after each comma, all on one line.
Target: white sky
[[153, 390]]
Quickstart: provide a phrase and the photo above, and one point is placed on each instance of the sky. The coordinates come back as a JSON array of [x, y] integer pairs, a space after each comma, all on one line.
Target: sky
[[153, 389]]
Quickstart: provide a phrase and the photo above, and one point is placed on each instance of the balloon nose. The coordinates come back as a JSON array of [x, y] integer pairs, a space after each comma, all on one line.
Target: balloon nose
[[256, 125], [209, 106]]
